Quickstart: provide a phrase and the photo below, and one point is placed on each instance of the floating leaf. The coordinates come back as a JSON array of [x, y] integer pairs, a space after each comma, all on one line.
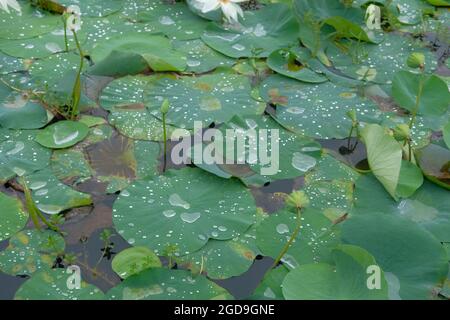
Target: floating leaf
[[53, 285], [346, 279], [209, 98], [156, 50], [434, 98], [164, 284], [313, 244], [181, 208], [13, 216], [51, 196], [62, 134], [434, 161], [134, 260], [20, 154], [30, 251]]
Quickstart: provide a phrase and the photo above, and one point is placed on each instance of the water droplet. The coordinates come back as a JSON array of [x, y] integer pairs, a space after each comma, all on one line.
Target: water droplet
[[193, 63], [37, 185], [222, 228], [295, 110], [303, 162], [190, 217], [49, 208], [41, 192], [61, 139], [18, 147], [238, 47], [53, 47], [176, 201], [169, 213], [165, 20], [282, 228]]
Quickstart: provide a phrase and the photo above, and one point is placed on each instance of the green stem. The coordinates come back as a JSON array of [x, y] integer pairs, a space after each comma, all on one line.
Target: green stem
[[66, 43], [76, 92], [418, 97], [165, 141], [291, 239], [350, 136]]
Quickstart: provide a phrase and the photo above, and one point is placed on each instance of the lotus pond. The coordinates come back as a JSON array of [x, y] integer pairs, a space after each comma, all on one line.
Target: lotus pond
[[96, 95]]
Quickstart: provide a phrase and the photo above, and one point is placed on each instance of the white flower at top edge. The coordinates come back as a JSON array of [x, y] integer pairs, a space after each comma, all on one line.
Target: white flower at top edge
[[4, 4], [230, 8], [73, 18], [373, 17]]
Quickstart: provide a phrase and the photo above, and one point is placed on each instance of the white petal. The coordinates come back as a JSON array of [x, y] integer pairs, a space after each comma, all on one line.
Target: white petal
[[210, 5], [14, 4], [229, 11]]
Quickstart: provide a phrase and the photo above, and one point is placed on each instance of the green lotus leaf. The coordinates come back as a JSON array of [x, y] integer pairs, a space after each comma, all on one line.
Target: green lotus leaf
[[62, 134], [10, 64], [181, 209], [29, 251], [313, 244], [18, 111], [263, 31], [346, 279], [156, 50], [134, 260], [165, 284], [20, 154], [208, 98], [13, 216], [434, 98], [384, 155], [413, 260], [52, 196], [270, 286], [52, 285]]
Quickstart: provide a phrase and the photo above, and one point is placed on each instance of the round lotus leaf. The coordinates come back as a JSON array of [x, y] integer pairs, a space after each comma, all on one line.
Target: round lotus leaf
[[156, 50], [131, 160], [62, 134], [134, 260], [20, 154], [261, 32], [96, 8], [19, 111], [209, 98], [31, 22], [175, 21], [413, 260], [51, 196], [53, 285], [347, 279], [316, 110], [200, 57], [285, 62], [41, 46], [181, 209], [165, 284], [13, 217], [429, 206], [29, 251], [313, 244]]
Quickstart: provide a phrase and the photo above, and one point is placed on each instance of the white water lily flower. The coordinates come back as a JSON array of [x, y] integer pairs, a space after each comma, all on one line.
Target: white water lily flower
[[4, 4], [73, 18], [373, 17], [230, 8]]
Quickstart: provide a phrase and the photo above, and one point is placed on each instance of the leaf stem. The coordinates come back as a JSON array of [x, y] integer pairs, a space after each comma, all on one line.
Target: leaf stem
[[165, 141]]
